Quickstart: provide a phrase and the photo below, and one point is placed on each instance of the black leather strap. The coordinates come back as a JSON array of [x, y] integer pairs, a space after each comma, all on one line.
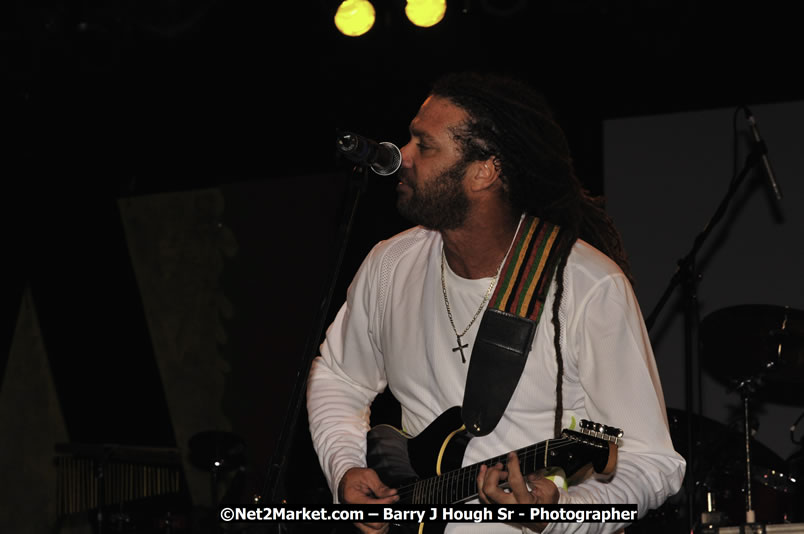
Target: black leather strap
[[498, 359]]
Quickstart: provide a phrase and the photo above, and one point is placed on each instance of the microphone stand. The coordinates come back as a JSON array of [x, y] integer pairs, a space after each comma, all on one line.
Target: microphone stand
[[274, 485], [688, 276]]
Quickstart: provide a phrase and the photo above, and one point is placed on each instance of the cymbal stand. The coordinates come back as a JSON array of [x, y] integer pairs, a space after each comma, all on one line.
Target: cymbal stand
[[746, 388]]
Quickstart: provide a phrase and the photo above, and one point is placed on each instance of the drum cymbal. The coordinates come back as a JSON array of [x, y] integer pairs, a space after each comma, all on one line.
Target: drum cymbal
[[762, 343]]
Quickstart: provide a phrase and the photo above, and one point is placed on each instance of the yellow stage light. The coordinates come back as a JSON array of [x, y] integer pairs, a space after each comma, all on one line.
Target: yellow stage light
[[354, 17], [426, 13]]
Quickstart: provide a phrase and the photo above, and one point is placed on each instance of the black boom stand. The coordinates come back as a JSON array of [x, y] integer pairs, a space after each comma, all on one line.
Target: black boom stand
[[275, 490], [688, 276]]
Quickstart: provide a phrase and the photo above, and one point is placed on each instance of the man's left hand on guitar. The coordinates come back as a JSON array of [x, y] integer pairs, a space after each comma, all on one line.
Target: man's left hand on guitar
[[531, 490]]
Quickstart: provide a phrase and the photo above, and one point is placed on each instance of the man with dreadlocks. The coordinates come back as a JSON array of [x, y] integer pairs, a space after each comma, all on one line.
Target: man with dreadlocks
[[502, 219]]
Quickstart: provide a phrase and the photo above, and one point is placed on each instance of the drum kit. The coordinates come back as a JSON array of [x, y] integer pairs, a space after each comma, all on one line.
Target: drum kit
[[758, 351]]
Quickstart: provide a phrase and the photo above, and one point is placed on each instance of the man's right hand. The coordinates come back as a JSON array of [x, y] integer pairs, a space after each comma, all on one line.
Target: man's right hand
[[362, 486]]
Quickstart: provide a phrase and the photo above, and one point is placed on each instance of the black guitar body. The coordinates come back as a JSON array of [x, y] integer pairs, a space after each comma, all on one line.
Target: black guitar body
[[393, 455]]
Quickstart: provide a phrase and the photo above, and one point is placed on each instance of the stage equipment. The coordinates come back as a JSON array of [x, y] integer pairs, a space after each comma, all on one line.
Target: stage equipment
[[757, 350], [383, 158], [758, 344], [97, 477], [687, 276], [769, 174], [719, 474]]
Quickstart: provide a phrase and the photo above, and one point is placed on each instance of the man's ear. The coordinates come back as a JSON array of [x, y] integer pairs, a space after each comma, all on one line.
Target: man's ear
[[486, 174]]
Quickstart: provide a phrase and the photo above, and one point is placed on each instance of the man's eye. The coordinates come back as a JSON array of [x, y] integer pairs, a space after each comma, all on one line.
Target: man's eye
[[422, 146]]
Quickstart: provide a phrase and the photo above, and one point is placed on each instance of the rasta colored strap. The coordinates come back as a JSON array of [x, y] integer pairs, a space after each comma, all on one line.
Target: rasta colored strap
[[528, 271], [509, 323]]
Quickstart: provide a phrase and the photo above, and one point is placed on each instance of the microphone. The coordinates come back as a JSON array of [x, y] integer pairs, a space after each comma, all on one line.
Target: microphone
[[383, 158], [752, 123]]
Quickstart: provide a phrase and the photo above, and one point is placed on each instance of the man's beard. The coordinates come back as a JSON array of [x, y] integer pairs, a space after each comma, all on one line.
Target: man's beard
[[440, 203]]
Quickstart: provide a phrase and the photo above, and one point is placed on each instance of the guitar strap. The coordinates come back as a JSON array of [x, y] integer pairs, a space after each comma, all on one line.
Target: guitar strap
[[509, 323]]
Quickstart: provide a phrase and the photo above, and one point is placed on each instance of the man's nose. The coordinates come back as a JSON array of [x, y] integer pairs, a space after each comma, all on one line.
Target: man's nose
[[406, 150]]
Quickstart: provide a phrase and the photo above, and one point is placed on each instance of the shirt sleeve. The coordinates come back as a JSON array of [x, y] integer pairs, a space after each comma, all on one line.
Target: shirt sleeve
[[621, 385], [343, 382]]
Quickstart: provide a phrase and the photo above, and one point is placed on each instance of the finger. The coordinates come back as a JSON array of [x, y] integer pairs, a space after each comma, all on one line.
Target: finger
[[545, 491], [517, 482], [377, 487], [363, 486], [358, 493], [384, 495], [384, 492], [481, 478], [364, 495], [489, 478], [491, 486], [384, 500]]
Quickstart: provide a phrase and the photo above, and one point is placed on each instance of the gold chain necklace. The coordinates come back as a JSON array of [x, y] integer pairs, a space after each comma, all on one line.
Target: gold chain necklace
[[458, 336]]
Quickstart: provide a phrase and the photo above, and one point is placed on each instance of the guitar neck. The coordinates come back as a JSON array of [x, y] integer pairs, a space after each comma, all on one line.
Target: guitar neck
[[460, 485]]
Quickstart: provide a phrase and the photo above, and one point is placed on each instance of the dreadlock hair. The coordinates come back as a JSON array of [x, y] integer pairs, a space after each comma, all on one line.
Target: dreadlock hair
[[511, 122]]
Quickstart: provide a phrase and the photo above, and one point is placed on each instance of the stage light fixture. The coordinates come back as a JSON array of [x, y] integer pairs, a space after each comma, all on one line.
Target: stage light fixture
[[355, 17], [425, 13]]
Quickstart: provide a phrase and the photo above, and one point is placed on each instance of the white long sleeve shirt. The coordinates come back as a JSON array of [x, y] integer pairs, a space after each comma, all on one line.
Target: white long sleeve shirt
[[394, 331]]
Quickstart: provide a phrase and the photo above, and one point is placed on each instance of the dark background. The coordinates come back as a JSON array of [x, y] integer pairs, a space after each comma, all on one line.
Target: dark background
[[106, 100], [149, 96]]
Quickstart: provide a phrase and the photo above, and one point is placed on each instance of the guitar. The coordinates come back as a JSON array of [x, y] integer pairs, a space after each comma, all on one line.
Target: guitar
[[427, 469]]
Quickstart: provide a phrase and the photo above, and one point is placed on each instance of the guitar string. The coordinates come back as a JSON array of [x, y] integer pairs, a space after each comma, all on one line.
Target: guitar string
[[469, 472], [447, 481], [437, 485], [445, 487]]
